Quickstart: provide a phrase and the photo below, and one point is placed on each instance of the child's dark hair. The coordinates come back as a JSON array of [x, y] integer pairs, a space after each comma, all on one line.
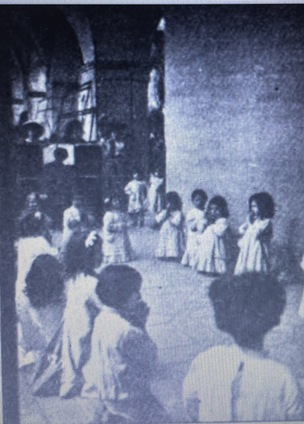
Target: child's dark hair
[[175, 201], [78, 258], [201, 193], [247, 306], [116, 284], [222, 205], [265, 204], [30, 225], [44, 282]]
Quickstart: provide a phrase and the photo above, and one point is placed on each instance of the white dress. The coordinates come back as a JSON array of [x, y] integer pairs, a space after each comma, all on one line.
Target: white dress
[[196, 223], [211, 256], [136, 190], [121, 365], [254, 246], [232, 385], [82, 304], [171, 235], [154, 197], [116, 243]]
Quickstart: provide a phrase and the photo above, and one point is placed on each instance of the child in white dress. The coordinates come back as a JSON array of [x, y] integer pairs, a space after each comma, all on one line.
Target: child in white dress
[[171, 243], [196, 223], [154, 194], [136, 190], [82, 255], [238, 382], [116, 243], [254, 246], [212, 255], [123, 357]]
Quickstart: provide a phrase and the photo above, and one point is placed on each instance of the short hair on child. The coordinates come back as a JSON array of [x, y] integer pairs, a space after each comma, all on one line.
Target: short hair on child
[[265, 204], [201, 193], [174, 199], [247, 306], [116, 284], [221, 203], [44, 281], [78, 258]]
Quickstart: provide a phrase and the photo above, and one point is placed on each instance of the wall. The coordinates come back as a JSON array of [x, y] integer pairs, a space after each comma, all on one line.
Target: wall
[[234, 107]]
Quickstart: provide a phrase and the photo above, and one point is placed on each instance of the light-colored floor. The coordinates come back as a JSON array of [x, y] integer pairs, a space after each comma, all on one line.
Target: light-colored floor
[[181, 323]]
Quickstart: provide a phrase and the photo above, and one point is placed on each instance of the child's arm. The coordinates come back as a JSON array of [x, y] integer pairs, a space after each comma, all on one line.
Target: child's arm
[[161, 216], [245, 225], [128, 189], [176, 219], [220, 226], [190, 393]]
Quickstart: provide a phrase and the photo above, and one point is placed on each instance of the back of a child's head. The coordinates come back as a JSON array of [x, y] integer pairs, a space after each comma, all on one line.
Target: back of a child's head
[[247, 306], [79, 258], [265, 204], [116, 284], [173, 198], [31, 225], [201, 194], [221, 205], [44, 282]]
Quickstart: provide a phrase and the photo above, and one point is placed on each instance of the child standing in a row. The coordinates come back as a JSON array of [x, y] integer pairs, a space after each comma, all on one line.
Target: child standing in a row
[[196, 223], [257, 233], [211, 255], [116, 242], [171, 237]]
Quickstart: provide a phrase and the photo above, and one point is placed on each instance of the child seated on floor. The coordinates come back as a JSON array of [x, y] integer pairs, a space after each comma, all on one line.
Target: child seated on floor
[[211, 255], [31, 244], [171, 244], [238, 382], [44, 285], [196, 223], [123, 357]]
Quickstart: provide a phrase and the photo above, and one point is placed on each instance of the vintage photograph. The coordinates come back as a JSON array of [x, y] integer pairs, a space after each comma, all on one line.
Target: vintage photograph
[[152, 226]]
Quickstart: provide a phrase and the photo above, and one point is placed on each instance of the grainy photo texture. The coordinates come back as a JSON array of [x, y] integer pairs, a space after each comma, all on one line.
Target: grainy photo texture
[[152, 219]]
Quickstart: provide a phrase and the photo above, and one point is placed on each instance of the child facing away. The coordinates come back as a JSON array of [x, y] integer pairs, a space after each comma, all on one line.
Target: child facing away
[[136, 190], [123, 356], [238, 382], [81, 257], [44, 286], [256, 234], [212, 255], [31, 243], [154, 192], [196, 223], [116, 242], [171, 243]]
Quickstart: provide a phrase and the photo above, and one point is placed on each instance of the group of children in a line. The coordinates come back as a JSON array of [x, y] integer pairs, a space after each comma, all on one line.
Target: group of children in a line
[[198, 240], [84, 327]]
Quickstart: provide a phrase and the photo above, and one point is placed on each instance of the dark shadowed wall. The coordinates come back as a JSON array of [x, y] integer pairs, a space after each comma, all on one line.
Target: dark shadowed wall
[[234, 111]]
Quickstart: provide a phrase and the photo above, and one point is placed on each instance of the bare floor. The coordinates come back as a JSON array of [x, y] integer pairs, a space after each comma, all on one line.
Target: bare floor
[[181, 323]]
